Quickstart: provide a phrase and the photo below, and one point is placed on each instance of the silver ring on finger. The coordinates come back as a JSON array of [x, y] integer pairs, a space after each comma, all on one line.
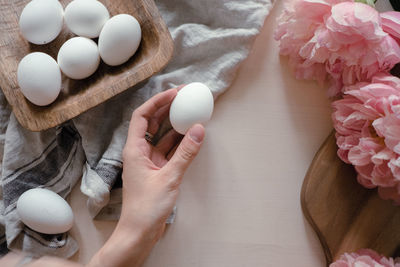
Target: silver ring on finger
[[149, 138]]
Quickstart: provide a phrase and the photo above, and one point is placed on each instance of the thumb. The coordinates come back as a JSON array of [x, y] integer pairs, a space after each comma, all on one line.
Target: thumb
[[187, 149]]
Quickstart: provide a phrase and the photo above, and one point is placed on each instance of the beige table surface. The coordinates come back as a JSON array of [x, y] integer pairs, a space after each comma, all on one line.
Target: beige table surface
[[240, 200]]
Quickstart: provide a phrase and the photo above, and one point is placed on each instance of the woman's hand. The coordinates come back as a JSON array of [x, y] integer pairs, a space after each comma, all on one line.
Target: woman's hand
[[152, 174], [151, 178]]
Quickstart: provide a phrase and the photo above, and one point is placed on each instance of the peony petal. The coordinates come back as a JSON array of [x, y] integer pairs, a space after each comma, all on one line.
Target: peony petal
[[365, 181], [392, 193], [364, 258], [354, 22], [394, 165], [389, 128], [319, 9], [391, 23], [384, 155], [388, 53], [387, 79]]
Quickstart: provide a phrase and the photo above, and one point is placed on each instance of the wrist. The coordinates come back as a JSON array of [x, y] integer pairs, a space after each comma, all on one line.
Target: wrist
[[144, 224], [127, 246]]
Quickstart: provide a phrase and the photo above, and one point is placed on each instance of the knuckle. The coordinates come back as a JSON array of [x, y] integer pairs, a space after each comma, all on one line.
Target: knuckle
[[127, 154], [173, 184], [135, 113], [186, 153]]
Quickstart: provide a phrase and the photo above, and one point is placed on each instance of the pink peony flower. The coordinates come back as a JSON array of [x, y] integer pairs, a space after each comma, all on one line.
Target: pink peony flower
[[339, 40], [367, 123], [365, 258]]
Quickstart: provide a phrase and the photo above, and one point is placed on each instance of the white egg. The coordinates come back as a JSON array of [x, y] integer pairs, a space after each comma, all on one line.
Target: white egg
[[86, 18], [45, 211], [119, 39], [41, 21], [193, 104], [39, 78], [78, 57]]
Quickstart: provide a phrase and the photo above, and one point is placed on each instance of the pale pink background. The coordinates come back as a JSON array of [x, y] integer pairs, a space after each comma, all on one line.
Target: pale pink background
[[240, 200]]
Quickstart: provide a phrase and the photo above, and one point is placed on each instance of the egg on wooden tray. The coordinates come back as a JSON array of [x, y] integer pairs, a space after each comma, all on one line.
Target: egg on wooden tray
[[193, 104], [45, 211], [119, 39], [86, 18], [41, 21], [78, 57], [39, 78]]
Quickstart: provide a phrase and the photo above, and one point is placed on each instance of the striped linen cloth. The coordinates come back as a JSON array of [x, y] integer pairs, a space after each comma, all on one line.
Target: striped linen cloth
[[211, 38]]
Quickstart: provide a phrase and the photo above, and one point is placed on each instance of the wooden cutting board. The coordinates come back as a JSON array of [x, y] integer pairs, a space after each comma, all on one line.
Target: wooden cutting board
[[77, 96], [346, 216]]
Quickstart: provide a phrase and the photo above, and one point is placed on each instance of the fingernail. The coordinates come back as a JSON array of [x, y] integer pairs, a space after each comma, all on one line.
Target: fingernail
[[196, 133]]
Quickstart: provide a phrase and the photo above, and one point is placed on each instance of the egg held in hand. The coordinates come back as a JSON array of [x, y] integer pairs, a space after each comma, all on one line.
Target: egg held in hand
[[78, 57], [41, 21], [39, 78], [86, 18], [119, 39], [193, 104], [45, 211]]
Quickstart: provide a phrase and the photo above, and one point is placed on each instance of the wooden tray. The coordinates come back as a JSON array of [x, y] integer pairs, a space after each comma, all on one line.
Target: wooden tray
[[346, 216], [155, 51]]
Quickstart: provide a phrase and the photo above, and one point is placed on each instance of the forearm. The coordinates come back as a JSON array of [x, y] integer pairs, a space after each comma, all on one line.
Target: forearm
[[127, 246], [17, 259]]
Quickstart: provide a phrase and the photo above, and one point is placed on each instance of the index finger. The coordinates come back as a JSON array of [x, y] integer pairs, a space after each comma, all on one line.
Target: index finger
[[141, 116]]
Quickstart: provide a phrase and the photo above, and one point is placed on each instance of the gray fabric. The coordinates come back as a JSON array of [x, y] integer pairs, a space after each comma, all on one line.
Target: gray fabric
[[383, 6], [211, 38]]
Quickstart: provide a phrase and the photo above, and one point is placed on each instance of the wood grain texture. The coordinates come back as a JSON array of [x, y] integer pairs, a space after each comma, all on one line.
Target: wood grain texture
[[346, 216], [154, 52]]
